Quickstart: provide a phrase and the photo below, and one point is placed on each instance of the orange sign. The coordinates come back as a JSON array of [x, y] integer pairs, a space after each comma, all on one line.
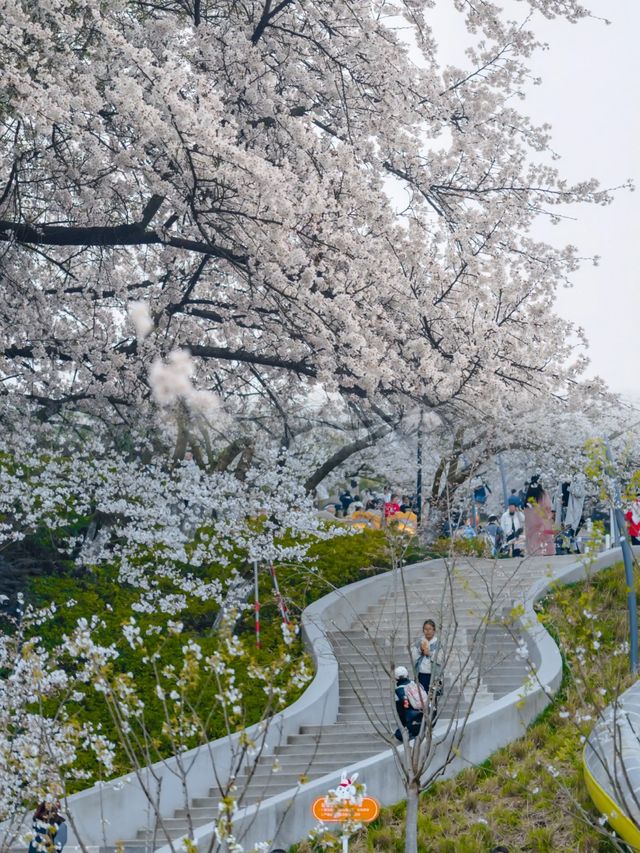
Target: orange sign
[[367, 811]]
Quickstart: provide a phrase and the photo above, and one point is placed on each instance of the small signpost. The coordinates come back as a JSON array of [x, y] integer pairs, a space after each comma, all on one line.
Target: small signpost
[[363, 812], [348, 805]]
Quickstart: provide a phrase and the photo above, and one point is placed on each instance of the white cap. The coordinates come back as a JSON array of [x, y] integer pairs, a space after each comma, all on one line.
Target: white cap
[[401, 672]]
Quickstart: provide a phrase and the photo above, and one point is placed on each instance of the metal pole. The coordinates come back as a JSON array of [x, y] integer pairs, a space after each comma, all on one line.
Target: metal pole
[[419, 473], [612, 524], [282, 607], [256, 594], [620, 536], [503, 477], [345, 843], [627, 557]]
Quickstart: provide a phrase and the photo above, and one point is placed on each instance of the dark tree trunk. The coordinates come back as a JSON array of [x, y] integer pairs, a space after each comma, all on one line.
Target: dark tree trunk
[[343, 454]]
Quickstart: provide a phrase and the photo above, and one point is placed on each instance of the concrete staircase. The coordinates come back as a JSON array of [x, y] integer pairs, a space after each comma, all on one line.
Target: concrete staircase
[[472, 606]]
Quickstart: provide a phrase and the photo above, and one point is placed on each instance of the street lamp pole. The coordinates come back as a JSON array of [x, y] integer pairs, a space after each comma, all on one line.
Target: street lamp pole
[[503, 477], [419, 472], [620, 536]]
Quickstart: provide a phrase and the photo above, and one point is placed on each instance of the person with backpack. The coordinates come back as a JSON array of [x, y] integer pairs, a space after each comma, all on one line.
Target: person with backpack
[[424, 653], [410, 699], [49, 829], [493, 535]]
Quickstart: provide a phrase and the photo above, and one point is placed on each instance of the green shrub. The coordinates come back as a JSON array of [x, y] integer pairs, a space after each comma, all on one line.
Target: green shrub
[[474, 547], [335, 562]]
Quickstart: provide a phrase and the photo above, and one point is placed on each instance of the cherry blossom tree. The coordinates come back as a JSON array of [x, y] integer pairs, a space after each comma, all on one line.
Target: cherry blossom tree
[[158, 523], [229, 166], [540, 433], [200, 239]]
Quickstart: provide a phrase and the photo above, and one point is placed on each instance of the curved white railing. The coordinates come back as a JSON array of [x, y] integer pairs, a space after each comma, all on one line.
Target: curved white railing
[[287, 818], [612, 765]]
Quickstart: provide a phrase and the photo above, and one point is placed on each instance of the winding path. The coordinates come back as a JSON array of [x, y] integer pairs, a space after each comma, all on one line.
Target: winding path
[[367, 650], [344, 720], [484, 677]]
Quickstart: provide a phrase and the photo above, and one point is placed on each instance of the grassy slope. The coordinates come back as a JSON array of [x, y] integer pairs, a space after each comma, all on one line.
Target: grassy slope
[[333, 563]]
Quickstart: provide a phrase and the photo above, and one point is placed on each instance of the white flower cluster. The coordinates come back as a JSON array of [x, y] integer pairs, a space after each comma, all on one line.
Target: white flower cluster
[[522, 650], [39, 751], [163, 524]]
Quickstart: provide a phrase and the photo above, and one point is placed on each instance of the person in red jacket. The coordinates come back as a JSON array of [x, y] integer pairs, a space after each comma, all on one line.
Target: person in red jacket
[[391, 507], [633, 522]]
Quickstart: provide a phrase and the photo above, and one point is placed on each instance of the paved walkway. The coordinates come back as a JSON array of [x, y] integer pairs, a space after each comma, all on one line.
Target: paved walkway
[[473, 605]]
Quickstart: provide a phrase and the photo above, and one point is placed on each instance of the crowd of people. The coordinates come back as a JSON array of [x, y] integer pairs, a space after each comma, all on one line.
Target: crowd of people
[[527, 524], [375, 509], [387, 504], [536, 522]]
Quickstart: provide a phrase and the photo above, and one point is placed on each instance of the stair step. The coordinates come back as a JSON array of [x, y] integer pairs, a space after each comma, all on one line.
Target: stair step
[[345, 728], [284, 781], [372, 644], [180, 825], [319, 765], [336, 751], [329, 736]]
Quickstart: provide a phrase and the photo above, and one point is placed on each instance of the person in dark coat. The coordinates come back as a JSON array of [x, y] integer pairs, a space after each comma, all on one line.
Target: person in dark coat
[[410, 718], [346, 499], [49, 829], [514, 500]]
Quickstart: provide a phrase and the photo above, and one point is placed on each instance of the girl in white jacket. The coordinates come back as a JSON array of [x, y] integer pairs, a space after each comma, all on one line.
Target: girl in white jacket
[[424, 652]]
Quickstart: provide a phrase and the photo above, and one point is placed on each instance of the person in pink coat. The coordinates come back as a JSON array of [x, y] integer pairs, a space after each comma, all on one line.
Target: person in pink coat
[[538, 524]]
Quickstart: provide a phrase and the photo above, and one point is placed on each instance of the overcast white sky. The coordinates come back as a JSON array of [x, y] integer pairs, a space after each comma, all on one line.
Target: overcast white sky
[[589, 95]]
